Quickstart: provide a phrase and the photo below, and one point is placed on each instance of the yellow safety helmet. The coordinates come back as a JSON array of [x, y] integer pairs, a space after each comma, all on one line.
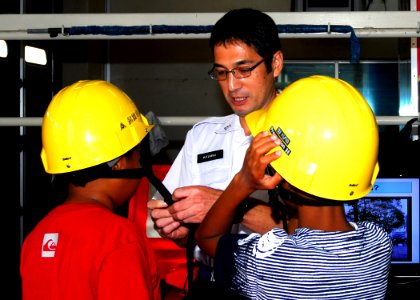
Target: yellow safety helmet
[[329, 137], [89, 123]]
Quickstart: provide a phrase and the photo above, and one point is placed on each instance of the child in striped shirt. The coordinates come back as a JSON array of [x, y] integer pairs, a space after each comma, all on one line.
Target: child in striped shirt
[[319, 141]]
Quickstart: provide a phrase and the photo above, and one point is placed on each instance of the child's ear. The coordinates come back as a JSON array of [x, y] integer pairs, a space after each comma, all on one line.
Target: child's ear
[[120, 164]]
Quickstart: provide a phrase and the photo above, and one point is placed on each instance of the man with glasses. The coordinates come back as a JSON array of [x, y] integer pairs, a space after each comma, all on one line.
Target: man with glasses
[[247, 61]]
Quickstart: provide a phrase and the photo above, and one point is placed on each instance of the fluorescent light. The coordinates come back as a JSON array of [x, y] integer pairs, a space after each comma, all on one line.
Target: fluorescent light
[[3, 48], [35, 55]]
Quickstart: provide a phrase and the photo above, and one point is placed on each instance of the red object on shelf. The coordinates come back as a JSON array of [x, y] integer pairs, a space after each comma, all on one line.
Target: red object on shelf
[[171, 258]]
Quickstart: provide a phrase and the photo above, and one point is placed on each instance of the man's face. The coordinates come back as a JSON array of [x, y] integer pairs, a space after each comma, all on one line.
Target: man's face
[[248, 94]]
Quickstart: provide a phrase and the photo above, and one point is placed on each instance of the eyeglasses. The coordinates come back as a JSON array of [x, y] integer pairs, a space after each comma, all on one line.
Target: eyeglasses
[[238, 72]]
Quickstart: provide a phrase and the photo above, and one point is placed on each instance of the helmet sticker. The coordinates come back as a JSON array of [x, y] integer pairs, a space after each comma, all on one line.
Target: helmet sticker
[[133, 117], [284, 140], [130, 119]]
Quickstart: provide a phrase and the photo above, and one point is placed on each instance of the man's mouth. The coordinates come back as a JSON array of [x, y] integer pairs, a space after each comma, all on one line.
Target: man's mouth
[[238, 99]]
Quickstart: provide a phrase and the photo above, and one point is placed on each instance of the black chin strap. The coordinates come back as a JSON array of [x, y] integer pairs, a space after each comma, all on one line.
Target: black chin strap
[[167, 197], [148, 173], [106, 172], [278, 207], [140, 173], [102, 171]]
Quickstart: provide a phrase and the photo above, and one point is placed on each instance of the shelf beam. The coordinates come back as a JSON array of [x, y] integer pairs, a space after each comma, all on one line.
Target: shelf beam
[[366, 24], [183, 121]]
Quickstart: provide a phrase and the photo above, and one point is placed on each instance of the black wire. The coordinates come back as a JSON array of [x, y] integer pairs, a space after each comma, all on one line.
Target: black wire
[[190, 256]]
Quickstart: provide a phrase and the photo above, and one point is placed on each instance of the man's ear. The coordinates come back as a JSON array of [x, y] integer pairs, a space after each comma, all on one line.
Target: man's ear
[[277, 63]]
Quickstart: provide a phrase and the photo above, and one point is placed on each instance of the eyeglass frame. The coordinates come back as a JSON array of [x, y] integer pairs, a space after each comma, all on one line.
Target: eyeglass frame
[[233, 71]]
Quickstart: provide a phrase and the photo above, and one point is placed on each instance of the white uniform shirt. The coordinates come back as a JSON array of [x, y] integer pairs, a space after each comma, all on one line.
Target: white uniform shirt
[[213, 152]]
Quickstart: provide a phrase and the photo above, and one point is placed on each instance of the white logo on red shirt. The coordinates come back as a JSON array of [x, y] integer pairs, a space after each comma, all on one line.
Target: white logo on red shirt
[[49, 244]]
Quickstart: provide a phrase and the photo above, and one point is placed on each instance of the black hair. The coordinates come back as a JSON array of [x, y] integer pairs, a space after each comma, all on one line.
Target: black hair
[[297, 196], [250, 26], [300, 197]]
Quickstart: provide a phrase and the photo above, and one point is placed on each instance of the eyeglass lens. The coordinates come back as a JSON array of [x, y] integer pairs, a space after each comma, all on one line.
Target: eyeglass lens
[[238, 72]]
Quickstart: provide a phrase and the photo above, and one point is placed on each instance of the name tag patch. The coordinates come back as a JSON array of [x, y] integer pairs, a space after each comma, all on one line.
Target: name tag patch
[[209, 156]]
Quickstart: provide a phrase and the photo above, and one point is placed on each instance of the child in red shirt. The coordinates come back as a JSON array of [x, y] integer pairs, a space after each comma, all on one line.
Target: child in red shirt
[[93, 138]]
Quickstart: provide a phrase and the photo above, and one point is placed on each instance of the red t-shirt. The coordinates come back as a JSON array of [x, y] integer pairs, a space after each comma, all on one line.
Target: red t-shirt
[[85, 251]]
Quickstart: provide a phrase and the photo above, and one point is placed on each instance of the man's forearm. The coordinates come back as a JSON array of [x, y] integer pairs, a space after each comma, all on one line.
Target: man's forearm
[[259, 219], [219, 219]]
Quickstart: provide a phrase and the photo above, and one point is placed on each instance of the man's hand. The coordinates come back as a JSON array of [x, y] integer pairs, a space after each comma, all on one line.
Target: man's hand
[[192, 203], [165, 224], [250, 178], [191, 206]]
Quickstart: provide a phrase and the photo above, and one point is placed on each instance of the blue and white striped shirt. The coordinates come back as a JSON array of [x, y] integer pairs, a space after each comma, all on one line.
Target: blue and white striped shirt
[[309, 264]]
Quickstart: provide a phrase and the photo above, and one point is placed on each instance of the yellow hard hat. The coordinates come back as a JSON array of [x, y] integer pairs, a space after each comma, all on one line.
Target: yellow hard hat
[[89, 123], [329, 137]]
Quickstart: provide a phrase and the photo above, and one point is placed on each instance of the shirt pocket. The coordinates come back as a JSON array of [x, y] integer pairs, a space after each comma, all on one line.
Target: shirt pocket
[[215, 176]]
